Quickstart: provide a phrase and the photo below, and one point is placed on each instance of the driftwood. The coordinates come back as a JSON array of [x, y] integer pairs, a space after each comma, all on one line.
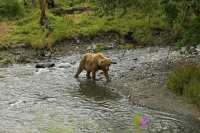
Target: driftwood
[[72, 10]]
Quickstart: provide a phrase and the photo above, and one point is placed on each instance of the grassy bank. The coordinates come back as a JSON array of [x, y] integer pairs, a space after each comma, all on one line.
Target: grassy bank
[[26, 29], [185, 80]]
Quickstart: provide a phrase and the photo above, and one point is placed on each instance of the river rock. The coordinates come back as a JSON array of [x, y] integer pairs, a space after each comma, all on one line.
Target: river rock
[[92, 48], [64, 65], [135, 59], [22, 59], [198, 48], [39, 71], [45, 65], [192, 50], [183, 50]]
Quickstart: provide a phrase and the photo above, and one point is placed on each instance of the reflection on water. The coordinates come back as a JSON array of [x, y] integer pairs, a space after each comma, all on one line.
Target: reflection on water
[[91, 89]]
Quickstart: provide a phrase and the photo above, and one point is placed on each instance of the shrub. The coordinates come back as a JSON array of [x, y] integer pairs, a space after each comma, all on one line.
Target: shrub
[[185, 80], [192, 33], [11, 9], [192, 91]]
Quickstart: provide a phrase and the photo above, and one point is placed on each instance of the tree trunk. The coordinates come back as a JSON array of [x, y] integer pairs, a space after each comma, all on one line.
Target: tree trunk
[[33, 3], [42, 12]]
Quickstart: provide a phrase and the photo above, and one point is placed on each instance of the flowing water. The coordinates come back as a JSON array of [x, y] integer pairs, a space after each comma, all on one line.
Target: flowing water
[[51, 101]]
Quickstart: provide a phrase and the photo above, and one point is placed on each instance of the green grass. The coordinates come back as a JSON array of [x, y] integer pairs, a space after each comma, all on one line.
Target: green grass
[[148, 25], [28, 30], [185, 80], [126, 46]]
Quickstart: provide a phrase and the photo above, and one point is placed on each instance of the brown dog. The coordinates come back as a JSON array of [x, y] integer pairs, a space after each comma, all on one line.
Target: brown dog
[[92, 62]]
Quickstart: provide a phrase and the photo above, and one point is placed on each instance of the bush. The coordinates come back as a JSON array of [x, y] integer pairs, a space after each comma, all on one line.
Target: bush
[[185, 80], [192, 33], [192, 91], [11, 8]]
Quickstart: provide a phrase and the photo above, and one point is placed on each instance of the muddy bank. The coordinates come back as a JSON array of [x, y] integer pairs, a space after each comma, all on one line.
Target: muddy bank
[[24, 53]]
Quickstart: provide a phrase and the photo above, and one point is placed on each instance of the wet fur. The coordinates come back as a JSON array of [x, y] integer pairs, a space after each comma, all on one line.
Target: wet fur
[[92, 62]]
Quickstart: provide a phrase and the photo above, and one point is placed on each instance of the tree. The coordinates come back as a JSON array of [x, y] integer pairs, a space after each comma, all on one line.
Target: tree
[[170, 10], [43, 17], [181, 11]]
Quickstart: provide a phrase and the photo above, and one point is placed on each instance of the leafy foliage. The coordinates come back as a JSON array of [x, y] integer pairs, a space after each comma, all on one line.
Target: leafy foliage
[[186, 13], [170, 10], [192, 33], [11, 9]]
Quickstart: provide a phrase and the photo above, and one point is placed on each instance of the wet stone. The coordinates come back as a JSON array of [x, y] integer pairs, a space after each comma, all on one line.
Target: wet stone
[[64, 65], [44, 65]]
